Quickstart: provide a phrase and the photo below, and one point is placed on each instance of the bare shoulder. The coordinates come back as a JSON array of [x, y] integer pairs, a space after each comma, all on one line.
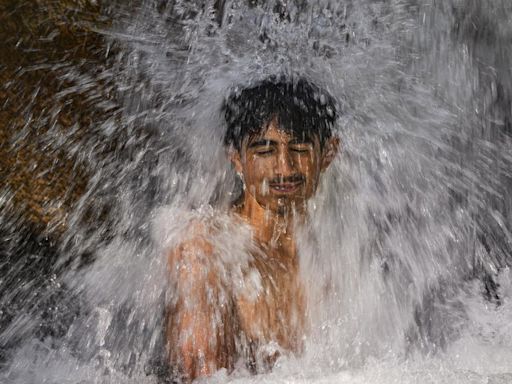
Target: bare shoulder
[[202, 242], [182, 234], [195, 247]]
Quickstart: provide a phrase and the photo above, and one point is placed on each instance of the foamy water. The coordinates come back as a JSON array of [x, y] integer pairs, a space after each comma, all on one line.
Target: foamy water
[[481, 355]]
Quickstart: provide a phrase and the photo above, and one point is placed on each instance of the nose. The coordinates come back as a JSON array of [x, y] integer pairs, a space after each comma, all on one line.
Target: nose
[[284, 166]]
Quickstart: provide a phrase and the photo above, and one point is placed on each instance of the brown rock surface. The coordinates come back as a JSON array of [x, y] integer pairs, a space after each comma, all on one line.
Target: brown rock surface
[[53, 90]]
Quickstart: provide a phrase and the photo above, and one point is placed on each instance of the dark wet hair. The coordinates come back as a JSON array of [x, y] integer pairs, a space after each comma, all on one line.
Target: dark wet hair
[[300, 107]]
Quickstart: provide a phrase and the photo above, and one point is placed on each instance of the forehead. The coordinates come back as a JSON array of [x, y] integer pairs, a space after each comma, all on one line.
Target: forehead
[[274, 132]]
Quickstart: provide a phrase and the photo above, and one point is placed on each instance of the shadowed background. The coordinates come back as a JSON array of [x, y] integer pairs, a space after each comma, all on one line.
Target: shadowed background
[[56, 91]]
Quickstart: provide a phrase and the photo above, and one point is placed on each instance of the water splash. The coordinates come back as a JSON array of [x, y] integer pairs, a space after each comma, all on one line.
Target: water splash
[[413, 208]]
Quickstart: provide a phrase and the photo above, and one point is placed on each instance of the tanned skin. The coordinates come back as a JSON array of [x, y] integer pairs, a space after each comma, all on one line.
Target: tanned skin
[[280, 173]]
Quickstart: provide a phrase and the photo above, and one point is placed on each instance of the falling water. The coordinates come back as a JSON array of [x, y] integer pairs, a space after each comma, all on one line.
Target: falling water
[[407, 252]]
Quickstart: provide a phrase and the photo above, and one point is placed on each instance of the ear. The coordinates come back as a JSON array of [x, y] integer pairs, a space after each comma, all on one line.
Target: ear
[[329, 152], [235, 158]]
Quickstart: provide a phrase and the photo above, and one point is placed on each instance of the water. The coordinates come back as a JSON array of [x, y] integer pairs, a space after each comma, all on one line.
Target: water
[[410, 229]]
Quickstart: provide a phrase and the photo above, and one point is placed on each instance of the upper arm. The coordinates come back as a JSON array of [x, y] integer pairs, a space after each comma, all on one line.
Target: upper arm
[[200, 331]]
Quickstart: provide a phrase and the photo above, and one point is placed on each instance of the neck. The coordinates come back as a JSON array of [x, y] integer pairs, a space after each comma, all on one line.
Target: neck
[[271, 229]]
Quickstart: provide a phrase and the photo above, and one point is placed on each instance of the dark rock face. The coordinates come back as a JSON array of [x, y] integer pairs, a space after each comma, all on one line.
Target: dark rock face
[[480, 26], [32, 302], [51, 68], [55, 91], [63, 150]]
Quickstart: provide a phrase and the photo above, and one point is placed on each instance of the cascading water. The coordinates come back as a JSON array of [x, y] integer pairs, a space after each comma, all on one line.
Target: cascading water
[[406, 255]]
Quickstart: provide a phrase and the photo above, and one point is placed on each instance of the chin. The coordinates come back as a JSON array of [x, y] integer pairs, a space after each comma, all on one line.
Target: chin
[[286, 205]]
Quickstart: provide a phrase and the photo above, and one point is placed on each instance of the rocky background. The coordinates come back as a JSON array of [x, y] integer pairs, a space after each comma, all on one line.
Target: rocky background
[[55, 94]]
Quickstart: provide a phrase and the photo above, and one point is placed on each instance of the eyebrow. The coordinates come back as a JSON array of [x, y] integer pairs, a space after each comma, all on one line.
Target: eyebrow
[[268, 143], [262, 143], [301, 141]]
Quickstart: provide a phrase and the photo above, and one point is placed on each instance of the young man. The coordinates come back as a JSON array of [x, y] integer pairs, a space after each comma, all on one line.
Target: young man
[[279, 140]]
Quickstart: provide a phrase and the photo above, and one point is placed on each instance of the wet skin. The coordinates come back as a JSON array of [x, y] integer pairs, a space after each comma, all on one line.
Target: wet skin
[[280, 173]]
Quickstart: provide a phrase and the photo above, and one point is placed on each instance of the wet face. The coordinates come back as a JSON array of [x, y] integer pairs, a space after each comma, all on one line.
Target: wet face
[[281, 171]]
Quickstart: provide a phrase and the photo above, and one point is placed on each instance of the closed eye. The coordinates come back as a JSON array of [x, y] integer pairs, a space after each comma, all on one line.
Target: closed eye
[[262, 147], [264, 151], [301, 149]]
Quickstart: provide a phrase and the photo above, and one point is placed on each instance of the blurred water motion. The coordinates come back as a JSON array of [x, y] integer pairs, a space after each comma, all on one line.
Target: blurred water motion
[[110, 111]]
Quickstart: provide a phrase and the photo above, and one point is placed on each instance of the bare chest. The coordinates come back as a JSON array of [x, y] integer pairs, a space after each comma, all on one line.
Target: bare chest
[[275, 311]]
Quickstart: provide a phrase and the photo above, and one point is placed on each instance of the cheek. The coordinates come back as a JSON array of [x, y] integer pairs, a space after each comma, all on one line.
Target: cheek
[[310, 168], [256, 172], [306, 165]]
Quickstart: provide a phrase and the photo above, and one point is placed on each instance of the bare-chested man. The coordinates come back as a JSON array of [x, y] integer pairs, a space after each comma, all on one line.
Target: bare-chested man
[[279, 140]]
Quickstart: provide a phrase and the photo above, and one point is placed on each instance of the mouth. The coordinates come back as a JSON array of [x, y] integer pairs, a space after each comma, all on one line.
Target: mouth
[[286, 188]]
